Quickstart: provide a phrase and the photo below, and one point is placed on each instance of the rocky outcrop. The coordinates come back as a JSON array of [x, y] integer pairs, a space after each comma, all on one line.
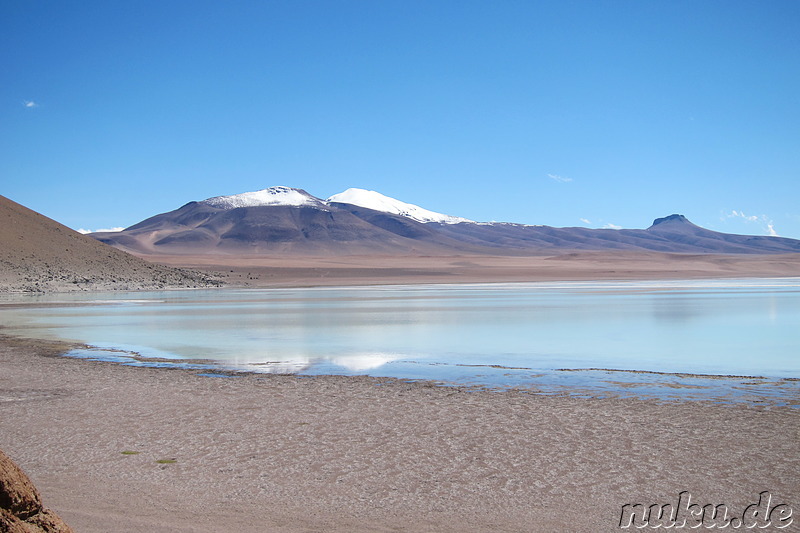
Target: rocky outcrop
[[21, 509]]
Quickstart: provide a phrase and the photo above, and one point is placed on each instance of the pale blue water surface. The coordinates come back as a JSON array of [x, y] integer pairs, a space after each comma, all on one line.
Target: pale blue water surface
[[484, 334]]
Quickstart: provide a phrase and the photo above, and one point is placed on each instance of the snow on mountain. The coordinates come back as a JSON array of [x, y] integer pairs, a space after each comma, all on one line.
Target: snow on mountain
[[288, 196], [378, 202], [271, 196]]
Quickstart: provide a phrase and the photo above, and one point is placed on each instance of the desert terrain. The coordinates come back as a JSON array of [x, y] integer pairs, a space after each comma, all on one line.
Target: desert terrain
[[309, 270]]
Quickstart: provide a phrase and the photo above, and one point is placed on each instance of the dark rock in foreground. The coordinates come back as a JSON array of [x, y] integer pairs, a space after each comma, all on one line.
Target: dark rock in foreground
[[21, 509]]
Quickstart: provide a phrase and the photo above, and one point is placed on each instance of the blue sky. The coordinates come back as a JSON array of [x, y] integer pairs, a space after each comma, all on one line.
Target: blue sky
[[565, 113]]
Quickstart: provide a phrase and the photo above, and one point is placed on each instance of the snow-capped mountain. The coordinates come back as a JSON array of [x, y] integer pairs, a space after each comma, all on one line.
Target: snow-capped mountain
[[288, 196], [281, 220], [279, 195], [379, 202]]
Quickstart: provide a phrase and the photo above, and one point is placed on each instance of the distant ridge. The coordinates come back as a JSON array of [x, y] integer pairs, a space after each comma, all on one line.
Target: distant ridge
[[281, 220]]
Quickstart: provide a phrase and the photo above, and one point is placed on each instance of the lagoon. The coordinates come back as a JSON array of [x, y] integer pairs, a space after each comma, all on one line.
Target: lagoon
[[481, 334]]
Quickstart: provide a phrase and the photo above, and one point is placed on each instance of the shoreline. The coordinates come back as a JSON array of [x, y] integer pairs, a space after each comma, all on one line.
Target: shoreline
[[351, 453], [635, 384], [383, 282]]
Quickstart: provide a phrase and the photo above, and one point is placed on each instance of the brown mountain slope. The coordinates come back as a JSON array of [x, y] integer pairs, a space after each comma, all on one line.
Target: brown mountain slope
[[38, 254], [198, 228]]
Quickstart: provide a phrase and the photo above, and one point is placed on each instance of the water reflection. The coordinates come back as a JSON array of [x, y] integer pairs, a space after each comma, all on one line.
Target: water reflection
[[678, 309], [742, 327]]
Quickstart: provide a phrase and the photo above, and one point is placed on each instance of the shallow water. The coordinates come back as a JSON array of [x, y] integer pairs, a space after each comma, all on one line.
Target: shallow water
[[483, 334]]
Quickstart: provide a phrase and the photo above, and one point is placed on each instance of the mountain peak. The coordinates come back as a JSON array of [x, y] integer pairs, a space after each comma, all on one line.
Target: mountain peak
[[279, 195], [674, 224], [671, 218], [379, 202]]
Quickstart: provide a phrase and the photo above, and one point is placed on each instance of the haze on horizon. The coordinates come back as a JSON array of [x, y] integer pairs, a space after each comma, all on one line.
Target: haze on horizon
[[595, 114]]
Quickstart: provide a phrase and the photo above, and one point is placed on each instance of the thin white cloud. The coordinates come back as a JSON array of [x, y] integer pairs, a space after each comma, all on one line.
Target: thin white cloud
[[585, 221], [560, 179], [30, 104], [740, 214], [611, 226], [764, 221], [85, 231]]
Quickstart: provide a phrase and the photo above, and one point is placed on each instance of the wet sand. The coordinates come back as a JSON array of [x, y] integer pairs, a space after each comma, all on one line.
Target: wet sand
[[283, 453]]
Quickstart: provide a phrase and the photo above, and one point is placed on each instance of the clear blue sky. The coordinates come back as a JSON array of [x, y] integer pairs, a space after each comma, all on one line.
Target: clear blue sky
[[565, 113]]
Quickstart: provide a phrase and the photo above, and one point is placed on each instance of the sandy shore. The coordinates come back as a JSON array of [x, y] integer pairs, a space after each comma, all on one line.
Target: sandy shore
[[282, 453]]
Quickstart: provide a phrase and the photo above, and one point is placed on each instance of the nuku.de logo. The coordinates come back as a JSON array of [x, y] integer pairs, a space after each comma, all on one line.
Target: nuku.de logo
[[692, 515]]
